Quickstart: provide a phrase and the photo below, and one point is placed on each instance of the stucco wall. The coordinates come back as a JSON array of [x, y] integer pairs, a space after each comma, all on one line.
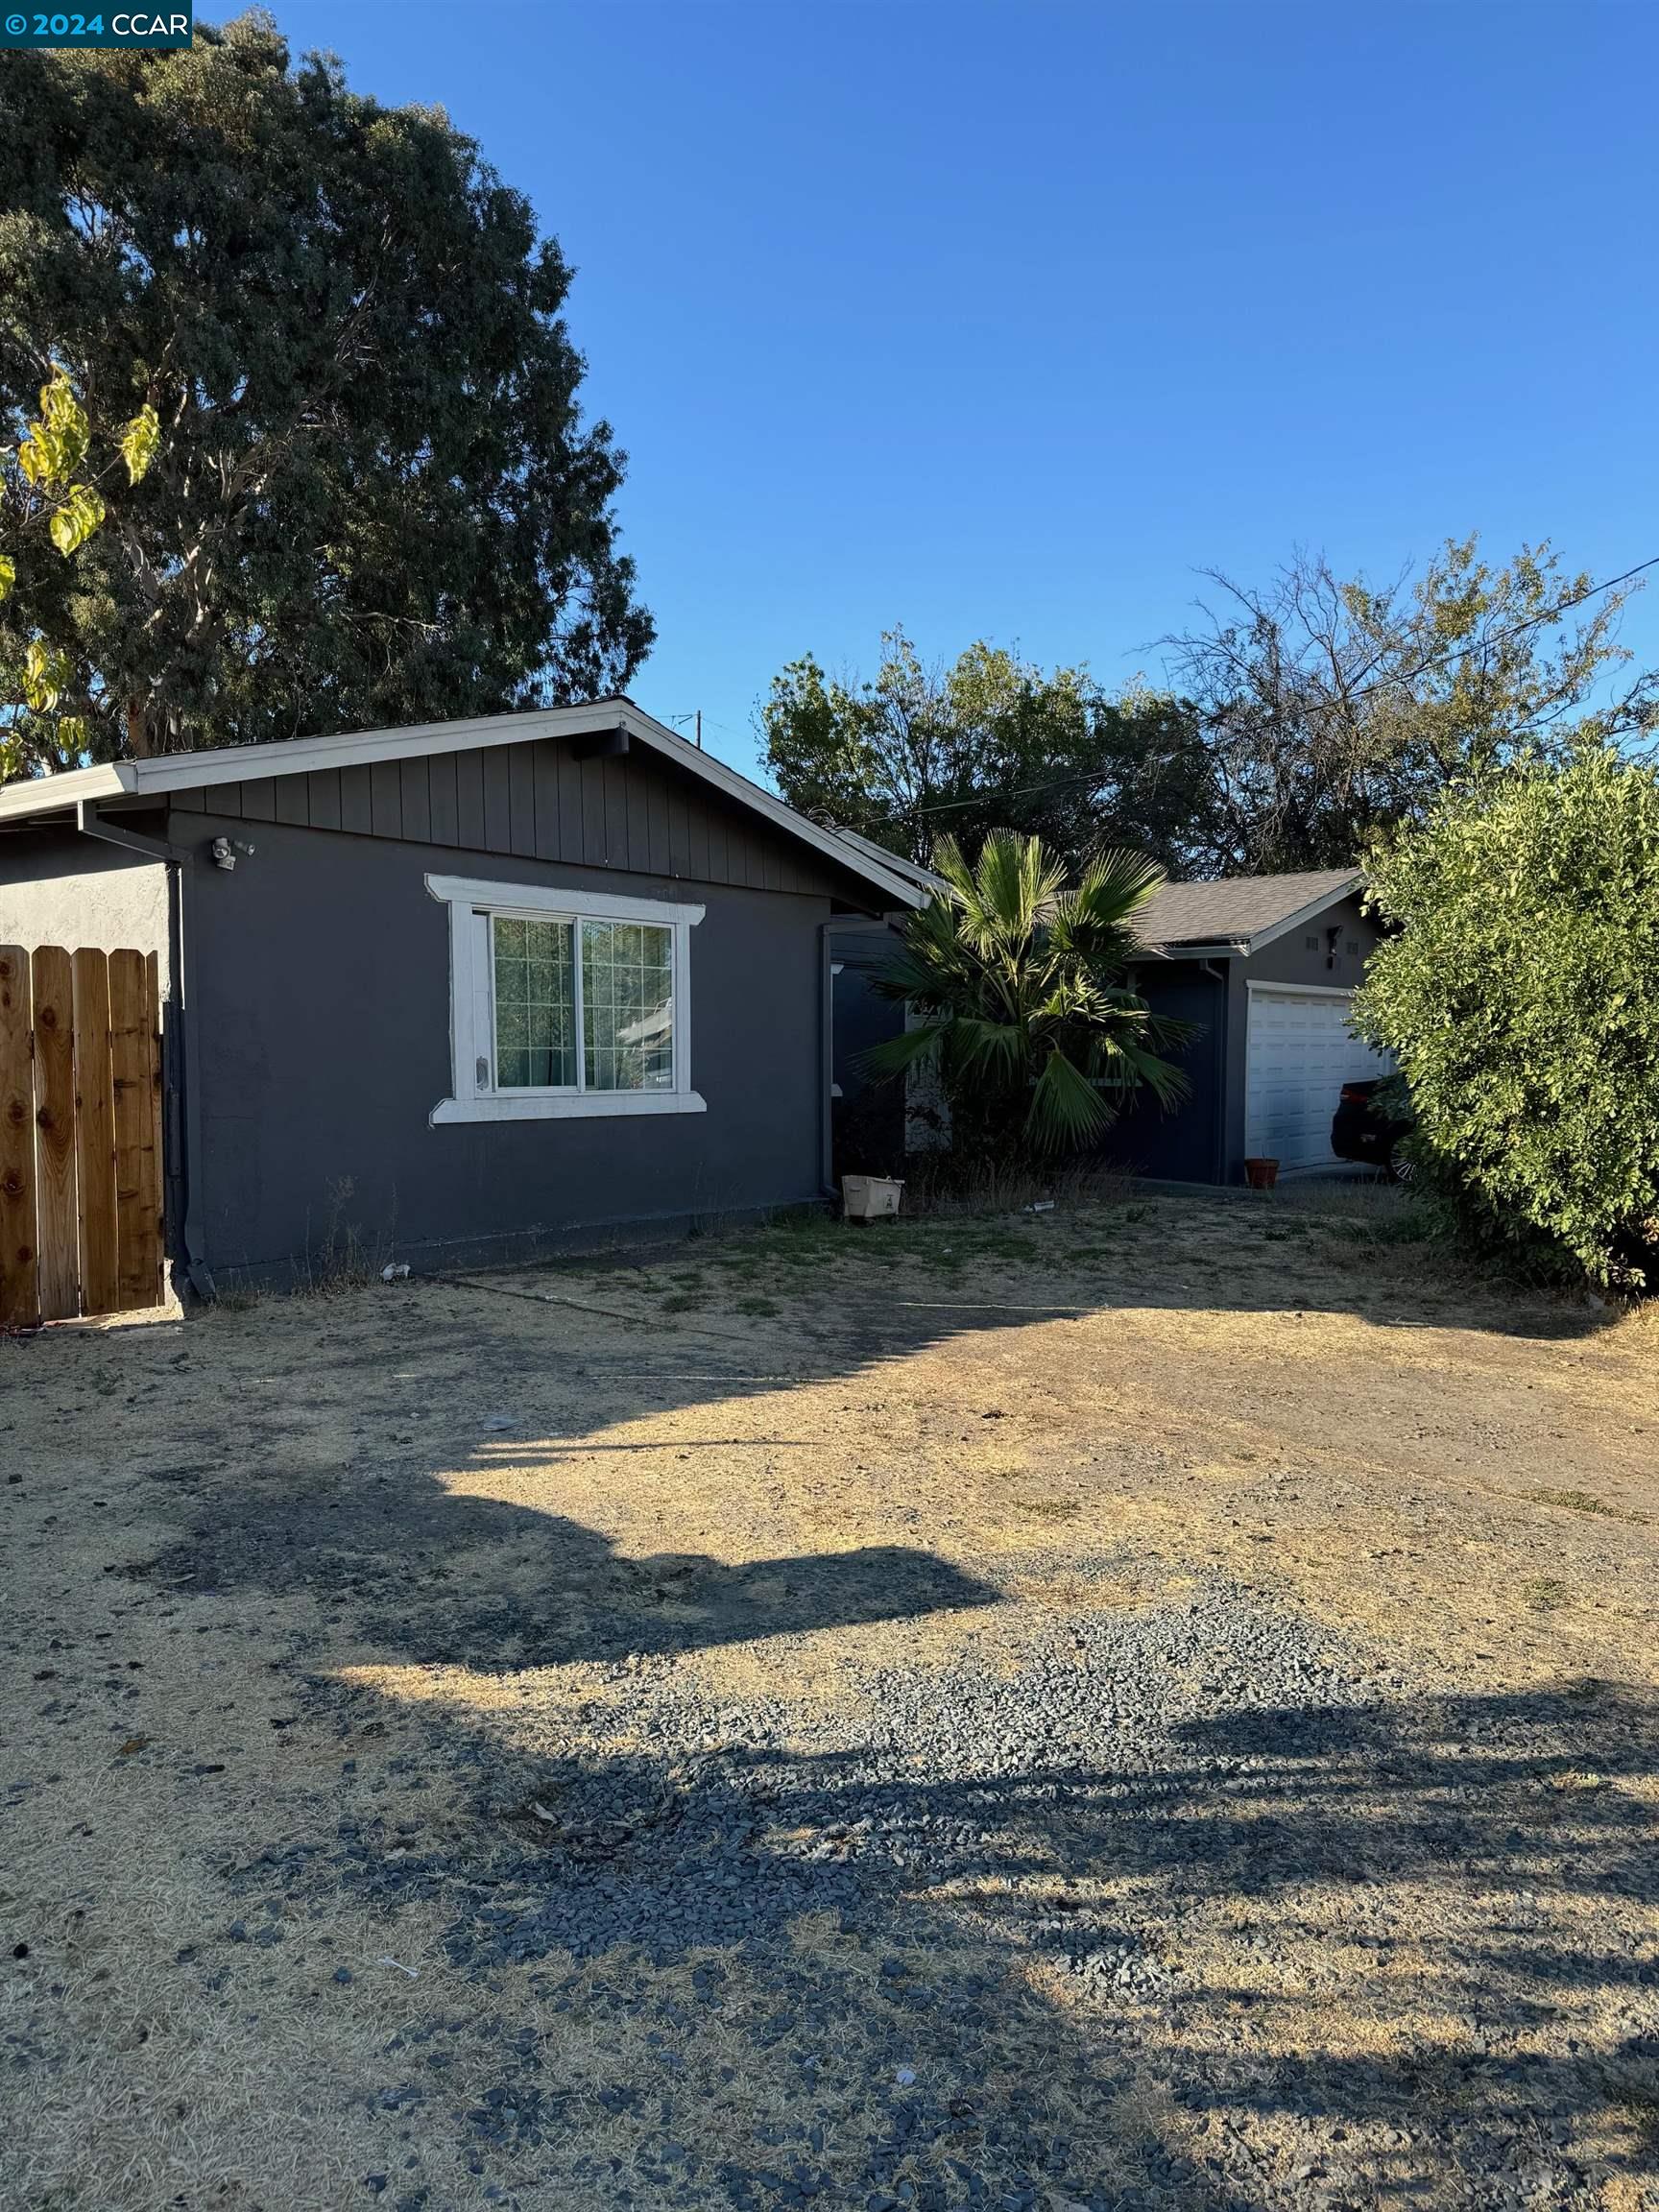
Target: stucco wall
[[321, 993], [60, 888]]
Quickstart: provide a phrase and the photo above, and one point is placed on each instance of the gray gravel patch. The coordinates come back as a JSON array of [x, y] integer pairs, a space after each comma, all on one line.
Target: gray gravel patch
[[1078, 1813]]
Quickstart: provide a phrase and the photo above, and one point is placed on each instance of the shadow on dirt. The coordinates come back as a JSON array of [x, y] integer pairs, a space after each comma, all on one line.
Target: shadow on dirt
[[440, 1578], [1403, 1945], [1431, 1872], [1461, 1886]]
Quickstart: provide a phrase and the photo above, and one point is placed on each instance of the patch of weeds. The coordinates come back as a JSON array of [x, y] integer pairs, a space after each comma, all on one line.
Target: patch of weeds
[[1544, 1593], [1050, 1508], [877, 1239], [346, 1259], [758, 1307], [800, 1252], [1383, 1229], [684, 1302], [1581, 1502], [237, 1297], [1001, 1244], [943, 1258], [797, 1220], [800, 1236], [1640, 2108]]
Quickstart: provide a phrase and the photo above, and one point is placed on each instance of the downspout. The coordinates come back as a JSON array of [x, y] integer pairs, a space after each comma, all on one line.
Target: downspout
[[825, 1062], [1223, 976], [184, 1133]]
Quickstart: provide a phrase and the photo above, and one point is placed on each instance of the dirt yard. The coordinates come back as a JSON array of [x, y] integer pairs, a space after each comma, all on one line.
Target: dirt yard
[[1144, 1706]]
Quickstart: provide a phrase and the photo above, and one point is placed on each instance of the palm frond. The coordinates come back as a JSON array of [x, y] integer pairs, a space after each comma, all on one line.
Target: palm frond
[[948, 862], [1014, 885], [1095, 918], [1123, 1065], [896, 1055], [982, 1046], [1066, 1107]]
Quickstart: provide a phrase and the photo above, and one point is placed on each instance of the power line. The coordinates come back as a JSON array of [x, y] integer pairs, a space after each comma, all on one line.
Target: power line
[[1364, 692]]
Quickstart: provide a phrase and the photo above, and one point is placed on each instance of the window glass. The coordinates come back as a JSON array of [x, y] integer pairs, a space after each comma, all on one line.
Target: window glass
[[534, 1004], [627, 1006]]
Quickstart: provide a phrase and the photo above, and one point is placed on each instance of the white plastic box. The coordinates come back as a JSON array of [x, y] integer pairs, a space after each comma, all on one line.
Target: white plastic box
[[870, 1197]]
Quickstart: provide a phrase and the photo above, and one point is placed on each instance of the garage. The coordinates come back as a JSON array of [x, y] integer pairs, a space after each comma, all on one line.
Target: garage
[[1299, 1053]]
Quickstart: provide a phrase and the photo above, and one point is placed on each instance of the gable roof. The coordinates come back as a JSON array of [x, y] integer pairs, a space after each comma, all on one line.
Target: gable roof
[[923, 879], [1240, 913], [170, 772]]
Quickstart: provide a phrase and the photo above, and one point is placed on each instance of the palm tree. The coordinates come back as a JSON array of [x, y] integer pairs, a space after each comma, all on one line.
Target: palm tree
[[1016, 984]]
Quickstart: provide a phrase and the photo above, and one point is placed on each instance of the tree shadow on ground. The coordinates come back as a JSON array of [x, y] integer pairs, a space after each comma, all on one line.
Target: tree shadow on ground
[[1399, 1950], [441, 1578], [1402, 1943]]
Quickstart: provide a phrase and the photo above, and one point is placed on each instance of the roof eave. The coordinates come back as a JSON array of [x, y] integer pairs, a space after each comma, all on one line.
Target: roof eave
[[241, 763], [759, 801], [47, 794], [1204, 949], [1306, 913]]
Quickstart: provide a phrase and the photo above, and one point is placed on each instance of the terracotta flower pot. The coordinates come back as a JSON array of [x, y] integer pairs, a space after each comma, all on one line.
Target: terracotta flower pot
[[1260, 1175]]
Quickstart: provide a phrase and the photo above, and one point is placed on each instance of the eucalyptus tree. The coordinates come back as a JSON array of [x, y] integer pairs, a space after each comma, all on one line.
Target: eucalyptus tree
[[377, 497]]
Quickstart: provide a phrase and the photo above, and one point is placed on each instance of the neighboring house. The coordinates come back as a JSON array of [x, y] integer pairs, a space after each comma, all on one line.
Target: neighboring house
[[1263, 965], [1266, 967], [509, 982]]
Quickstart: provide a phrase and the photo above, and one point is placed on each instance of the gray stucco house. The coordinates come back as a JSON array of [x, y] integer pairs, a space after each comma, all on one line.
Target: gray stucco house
[[1263, 965], [513, 981]]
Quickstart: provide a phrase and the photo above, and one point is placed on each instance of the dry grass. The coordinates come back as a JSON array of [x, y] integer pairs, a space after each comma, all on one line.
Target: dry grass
[[207, 1659]]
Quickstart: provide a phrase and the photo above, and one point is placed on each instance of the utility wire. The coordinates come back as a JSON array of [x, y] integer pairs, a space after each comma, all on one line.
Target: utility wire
[[1364, 691]]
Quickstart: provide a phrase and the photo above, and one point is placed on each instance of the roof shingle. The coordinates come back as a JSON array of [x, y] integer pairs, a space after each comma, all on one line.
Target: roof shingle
[[1238, 908]]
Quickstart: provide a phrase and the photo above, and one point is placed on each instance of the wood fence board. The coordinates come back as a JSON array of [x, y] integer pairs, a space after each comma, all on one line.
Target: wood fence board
[[95, 1135], [19, 1275], [56, 1223], [158, 1086], [132, 1056]]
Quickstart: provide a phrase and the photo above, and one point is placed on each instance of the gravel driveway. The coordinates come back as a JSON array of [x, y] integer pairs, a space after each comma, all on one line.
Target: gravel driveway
[[1143, 1706]]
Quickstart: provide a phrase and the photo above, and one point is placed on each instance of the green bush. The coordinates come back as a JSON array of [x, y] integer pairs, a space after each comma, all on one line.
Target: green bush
[[1520, 997]]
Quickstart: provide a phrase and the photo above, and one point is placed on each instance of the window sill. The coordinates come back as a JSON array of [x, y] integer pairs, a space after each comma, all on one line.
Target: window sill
[[586, 1106]]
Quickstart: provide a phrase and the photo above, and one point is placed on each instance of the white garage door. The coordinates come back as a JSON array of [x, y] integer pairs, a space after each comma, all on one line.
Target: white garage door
[[1299, 1054]]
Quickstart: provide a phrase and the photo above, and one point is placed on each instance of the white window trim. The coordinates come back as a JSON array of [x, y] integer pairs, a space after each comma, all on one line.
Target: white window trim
[[468, 1101]]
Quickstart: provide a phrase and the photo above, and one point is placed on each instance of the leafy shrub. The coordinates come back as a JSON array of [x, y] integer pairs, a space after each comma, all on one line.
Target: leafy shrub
[[1521, 998]]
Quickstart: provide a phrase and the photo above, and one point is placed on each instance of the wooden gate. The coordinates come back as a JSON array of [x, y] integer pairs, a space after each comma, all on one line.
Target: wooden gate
[[79, 1134]]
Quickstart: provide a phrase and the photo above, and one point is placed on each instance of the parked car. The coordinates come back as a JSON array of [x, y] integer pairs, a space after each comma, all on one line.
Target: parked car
[[1368, 1127]]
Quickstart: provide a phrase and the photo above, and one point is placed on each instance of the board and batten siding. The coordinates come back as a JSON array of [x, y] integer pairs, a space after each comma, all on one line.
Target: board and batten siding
[[534, 803]]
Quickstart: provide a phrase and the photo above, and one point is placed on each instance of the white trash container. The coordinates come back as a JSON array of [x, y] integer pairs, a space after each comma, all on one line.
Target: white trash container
[[869, 1197]]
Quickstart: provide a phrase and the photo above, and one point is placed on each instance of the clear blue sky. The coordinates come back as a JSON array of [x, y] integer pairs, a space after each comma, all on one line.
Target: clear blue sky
[[1005, 319]]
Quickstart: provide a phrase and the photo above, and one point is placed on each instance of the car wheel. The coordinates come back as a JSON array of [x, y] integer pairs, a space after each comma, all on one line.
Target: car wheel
[[1401, 1168]]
